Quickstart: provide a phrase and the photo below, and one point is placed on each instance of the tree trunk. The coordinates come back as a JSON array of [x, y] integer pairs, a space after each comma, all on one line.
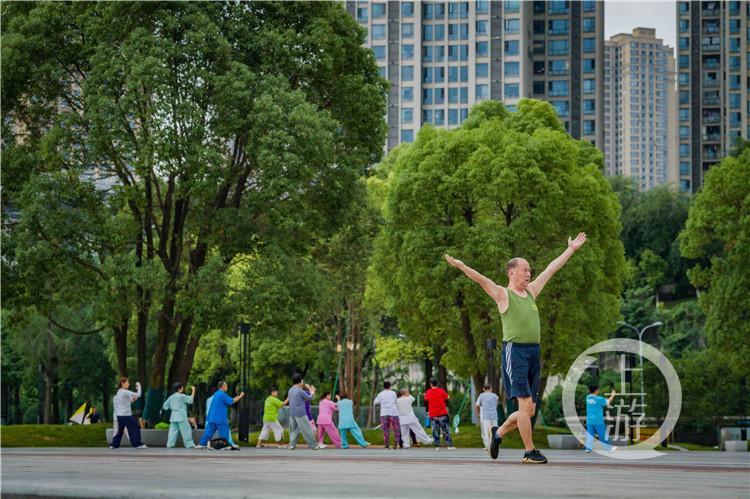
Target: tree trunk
[[49, 374], [180, 349], [442, 376], [121, 347], [373, 391], [55, 402], [427, 372], [187, 365], [143, 309], [105, 401]]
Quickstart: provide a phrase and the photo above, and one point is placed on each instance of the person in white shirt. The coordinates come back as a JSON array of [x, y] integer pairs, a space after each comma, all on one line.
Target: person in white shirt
[[389, 415], [124, 415], [408, 419], [486, 406]]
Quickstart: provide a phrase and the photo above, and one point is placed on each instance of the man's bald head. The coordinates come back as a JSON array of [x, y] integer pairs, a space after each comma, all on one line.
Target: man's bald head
[[519, 272]]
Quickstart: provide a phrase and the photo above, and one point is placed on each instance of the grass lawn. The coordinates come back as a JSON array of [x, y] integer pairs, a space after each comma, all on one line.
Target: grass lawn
[[93, 436]]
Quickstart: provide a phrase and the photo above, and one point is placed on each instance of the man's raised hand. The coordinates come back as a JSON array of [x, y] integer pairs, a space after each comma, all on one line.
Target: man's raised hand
[[575, 244], [453, 261]]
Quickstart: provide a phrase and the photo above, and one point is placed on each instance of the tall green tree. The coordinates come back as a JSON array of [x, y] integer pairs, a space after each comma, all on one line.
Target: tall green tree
[[718, 229], [216, 127], [502, 185]]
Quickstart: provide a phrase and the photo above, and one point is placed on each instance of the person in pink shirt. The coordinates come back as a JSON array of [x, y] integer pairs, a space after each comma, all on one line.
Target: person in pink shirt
[[326, 409]]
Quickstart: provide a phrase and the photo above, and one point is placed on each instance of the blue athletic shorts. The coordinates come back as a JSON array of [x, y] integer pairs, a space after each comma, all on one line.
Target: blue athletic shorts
[[521, 370]]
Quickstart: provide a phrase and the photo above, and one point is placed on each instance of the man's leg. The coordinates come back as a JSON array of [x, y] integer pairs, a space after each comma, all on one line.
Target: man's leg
[[172, 435], [523, 420], [386, 430], [186, 431], [590, 429], [395, 424], [435, 431], [207, 433], [447, 431], [293, 432], [117, 438], [344, 441], [134, 431], [405, 431], [307, 432]]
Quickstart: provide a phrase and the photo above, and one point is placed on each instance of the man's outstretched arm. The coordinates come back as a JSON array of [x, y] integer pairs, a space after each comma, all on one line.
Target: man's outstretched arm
[[489, 287], [574, 245]]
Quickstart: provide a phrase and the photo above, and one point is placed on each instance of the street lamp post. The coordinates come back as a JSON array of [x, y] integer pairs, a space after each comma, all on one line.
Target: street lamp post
[[244, 429], [640, 351]]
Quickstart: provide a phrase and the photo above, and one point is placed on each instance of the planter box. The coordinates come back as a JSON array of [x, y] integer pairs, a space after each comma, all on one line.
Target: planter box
[[562, 442], [153, 438], [735, 445]]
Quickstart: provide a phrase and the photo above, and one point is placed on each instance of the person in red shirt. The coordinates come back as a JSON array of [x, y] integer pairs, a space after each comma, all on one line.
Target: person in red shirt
[[438, 412]]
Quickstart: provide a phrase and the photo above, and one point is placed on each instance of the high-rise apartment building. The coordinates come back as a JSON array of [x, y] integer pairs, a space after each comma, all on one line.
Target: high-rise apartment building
[[713, 56], [443, 57], [640, 109]]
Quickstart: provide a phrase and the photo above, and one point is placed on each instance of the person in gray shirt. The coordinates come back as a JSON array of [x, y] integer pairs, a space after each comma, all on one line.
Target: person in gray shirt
[[298, 422], [486, 406]]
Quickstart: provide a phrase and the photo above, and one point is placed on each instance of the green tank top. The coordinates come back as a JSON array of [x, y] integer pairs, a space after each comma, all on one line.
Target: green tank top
[[521, 320]]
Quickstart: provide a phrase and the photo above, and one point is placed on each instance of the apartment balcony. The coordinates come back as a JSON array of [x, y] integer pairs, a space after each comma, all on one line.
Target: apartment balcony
[[711, 83], [711, 101], [712, 137], [712, 118]]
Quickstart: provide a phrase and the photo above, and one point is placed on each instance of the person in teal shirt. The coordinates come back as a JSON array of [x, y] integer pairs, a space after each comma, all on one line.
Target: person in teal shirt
[[347, 422], [178, 420], [595, 418]]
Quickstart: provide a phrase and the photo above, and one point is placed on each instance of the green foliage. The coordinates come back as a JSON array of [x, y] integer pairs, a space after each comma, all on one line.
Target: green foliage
[[502, 185], [718, 228]]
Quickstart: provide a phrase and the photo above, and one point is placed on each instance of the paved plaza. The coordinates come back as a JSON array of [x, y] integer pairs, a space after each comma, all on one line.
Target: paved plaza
[[372, 473]]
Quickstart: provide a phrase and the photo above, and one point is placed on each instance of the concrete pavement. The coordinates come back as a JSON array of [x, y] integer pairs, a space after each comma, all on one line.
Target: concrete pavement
[[376, 473]]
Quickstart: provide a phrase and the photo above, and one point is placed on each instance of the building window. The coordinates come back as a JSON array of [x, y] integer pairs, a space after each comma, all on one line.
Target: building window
[[482, 27], [589, 24], [684, 150], [407, 30], [407, 73], [407, 9], [440, 74], [734, 8], [439, 117], [407, 115], [483, 92], [684, 78], [558, 67], [379, 51], [453, 32], [538, 67], [558, 26], [512, 26], [512, 68], [511, 47], [684, 114], [407, 94], [511, 91], [734, 63], [464, 95], [589, 106], [439, 96], [362, 15], [427, 116], [381, 71], [558, 47], [428, 11], [427, 75], [684, 185], [589, 65], [735, 101], [588, 127], [452, 53], [538, 7], [439, 53], [452, 116], [482, 70], [378, 10], [407, 52], [452, 74], [464, 73], [562, 107], [538, 27], [427, 53], [483, 49], [426, 96], [684, 168], [537, 47], [538, 88], [684, 61], [452, 96], [558, 6], [684, 42], [378, 31], [558, 88], [589, 86], [439, 11], [684, 7], [589, 45], [588, 5], [734, 44], [684, 132], [407, 135], [427, 32], [464, 51], [439, 32], [511, 7], [684, 97], [684, 26]]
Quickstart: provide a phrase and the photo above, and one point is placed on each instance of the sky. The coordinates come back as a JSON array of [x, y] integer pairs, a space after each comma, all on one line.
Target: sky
[[622, 16]]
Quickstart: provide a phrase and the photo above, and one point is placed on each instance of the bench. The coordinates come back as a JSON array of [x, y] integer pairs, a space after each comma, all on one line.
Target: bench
[[152, 438]]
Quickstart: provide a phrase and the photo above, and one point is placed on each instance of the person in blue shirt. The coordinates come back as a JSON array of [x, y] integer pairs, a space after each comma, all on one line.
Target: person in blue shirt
[[595, 418], [216, 419]]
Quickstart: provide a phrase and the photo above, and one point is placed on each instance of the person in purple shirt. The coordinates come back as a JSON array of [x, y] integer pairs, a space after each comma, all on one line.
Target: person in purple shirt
[[216, 419]]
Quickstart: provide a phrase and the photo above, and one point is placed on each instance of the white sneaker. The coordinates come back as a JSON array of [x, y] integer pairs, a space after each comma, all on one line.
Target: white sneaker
[[437, 448], [291, 447], [588, 451], [199, 447], [322, 446], [142, 446], [612, 449], [451, 448]]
